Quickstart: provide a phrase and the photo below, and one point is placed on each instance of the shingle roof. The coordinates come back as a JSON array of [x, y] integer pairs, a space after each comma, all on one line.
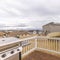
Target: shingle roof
[[52, 23]]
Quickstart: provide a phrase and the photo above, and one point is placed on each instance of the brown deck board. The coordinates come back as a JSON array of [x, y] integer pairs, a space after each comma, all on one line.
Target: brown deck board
[[37, 55]]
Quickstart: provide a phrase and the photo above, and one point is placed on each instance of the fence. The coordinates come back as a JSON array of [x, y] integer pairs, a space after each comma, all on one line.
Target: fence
[[52, 44]]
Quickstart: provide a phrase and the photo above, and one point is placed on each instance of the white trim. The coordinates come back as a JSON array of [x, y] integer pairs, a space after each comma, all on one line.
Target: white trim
[[48, 50]]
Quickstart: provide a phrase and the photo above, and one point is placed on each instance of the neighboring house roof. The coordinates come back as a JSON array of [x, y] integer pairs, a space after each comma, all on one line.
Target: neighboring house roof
[[52, 23], [48, 24]]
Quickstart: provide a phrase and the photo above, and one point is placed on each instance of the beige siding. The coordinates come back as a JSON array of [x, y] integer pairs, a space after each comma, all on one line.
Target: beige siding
[[51, 28]]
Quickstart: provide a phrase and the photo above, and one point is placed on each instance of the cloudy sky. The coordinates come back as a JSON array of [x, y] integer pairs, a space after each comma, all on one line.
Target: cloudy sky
[[33, 13]]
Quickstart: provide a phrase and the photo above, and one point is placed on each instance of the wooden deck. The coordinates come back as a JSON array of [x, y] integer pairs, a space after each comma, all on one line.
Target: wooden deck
[[37, 55]]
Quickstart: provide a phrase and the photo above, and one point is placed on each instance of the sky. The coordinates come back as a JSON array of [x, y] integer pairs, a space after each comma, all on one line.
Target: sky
[[32, 13]]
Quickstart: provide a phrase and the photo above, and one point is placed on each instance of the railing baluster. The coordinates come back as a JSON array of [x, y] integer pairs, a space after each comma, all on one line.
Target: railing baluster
[[59, 45]]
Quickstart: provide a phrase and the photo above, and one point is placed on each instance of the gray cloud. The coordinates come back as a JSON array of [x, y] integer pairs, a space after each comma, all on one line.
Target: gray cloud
[[38, 12], [31, 7]]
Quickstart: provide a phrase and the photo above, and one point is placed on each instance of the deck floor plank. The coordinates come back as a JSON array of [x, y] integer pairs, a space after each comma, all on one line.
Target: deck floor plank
[[37, 55]]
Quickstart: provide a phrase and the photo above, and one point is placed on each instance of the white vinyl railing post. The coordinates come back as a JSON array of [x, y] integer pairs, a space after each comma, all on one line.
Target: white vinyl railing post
[[36, 43]]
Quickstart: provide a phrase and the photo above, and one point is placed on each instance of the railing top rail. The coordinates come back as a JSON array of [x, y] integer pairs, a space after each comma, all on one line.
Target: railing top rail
[[29, 38], [40, 37], [19, 40], [52, 38]]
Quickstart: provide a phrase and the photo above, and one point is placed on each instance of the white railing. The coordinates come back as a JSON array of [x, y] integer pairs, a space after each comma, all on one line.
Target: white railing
[[45, 43], [52, 44], [29, 44]]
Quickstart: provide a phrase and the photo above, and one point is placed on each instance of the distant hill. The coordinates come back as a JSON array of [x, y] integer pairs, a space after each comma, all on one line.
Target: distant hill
[[18, 27]]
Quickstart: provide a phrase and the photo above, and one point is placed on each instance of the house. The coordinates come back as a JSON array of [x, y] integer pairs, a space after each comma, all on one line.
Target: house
[[51, 27]]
